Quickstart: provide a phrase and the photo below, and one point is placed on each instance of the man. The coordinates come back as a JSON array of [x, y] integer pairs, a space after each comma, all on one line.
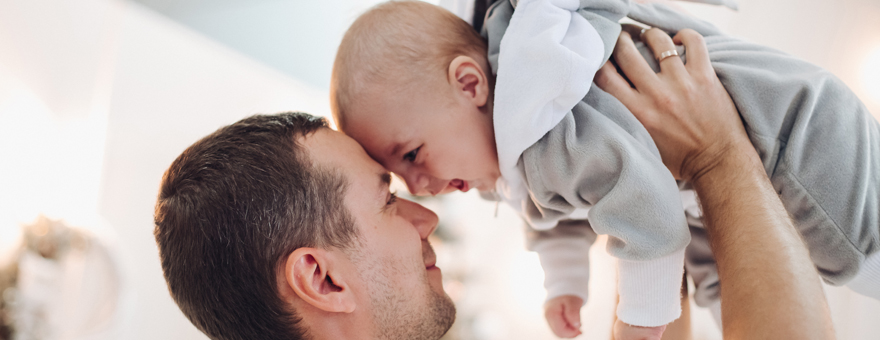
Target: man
[[277, 227]]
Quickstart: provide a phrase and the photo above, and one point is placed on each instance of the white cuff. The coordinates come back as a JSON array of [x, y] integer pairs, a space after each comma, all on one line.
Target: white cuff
[[650, 291], [867, 281]]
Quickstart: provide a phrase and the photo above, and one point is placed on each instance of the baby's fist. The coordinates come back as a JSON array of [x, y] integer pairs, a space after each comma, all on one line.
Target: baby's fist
[[563, 314], [623, 331]]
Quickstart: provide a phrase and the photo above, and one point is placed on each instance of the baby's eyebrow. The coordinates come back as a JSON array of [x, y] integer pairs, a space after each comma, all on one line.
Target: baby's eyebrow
[[396, 148]]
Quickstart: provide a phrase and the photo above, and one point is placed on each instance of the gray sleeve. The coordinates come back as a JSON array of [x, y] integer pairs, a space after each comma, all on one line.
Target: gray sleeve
[[604, 16], [594, 160]]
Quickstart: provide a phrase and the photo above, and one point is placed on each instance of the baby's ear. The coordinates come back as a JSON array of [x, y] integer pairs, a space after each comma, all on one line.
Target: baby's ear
[[469, 79]]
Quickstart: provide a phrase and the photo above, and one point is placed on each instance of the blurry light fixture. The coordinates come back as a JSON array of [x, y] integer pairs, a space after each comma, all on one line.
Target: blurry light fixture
[[871, 74]]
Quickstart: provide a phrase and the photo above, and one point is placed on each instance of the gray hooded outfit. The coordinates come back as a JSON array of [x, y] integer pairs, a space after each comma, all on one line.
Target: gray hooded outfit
[[818, 143]]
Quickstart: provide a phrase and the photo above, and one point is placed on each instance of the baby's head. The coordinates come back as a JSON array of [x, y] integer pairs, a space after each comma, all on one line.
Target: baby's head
[[411, 83]]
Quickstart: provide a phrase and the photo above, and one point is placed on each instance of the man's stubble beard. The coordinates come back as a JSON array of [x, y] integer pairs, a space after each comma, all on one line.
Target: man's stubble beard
[[398, 316]]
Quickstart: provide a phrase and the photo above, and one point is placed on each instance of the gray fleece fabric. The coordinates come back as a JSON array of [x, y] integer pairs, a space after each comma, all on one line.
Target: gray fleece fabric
[[818, 143]]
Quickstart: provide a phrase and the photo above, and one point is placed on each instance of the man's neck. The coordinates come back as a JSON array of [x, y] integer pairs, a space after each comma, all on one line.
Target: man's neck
[[334, 326]]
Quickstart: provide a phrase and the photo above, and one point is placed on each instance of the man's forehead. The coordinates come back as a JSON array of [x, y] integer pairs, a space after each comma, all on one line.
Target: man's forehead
[[329, 147], [334, 149]]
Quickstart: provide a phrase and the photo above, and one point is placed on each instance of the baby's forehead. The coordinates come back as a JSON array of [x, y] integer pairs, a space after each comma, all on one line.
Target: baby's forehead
[[398, 97], [378, 114], [391, 116]]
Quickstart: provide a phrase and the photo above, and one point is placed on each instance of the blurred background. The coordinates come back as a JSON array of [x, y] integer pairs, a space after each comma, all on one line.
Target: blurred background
[[97, 97]]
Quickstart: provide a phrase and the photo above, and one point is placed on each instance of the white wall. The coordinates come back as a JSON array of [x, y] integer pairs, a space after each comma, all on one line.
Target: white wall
[[165, 88]]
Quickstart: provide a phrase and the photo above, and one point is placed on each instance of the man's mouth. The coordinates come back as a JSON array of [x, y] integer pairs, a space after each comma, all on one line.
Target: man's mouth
[[459, 184], [429, 256]]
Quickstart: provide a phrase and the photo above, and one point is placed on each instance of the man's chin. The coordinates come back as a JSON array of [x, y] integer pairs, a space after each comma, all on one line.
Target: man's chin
[[435, 278], [441, 307], [443, 311]]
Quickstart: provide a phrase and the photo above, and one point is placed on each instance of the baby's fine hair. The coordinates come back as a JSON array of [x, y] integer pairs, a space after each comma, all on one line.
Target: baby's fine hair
[[395, 44]]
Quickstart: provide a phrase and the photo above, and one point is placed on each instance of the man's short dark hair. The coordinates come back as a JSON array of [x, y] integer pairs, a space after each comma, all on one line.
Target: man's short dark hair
[[231, 208]]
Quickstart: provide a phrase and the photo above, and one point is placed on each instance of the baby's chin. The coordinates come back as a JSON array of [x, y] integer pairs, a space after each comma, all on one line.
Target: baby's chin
[[489, 184], [483, 185]]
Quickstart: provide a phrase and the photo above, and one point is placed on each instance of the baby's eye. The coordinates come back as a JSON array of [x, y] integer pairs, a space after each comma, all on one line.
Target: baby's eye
[[411, 156]]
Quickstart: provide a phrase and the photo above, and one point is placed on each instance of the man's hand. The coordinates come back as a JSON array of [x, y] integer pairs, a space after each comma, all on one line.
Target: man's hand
[[563, 314], [623, 331], [684, 107]]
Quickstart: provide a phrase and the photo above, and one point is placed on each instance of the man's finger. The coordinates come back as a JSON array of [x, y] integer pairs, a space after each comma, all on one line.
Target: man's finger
[[632, 64], [664, 51], [698, 56], [612, 82], [634, 31]]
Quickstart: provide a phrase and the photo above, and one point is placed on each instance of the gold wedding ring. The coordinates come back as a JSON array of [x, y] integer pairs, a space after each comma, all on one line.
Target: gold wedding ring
[[667, 54]]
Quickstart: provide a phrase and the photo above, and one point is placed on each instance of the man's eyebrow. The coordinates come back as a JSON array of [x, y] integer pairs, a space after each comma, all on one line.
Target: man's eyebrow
[[385, 196], [385, 180]]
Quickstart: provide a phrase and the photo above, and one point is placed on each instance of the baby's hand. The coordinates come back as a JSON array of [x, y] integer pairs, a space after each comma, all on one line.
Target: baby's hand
[[563, 314], [622, 331]]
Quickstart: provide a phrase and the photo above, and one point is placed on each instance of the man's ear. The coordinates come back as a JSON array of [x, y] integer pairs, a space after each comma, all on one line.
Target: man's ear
[[468, 78], [313, 276]]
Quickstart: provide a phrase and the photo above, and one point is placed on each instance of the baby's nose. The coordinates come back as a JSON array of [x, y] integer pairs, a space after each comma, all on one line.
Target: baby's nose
[[416, 184]]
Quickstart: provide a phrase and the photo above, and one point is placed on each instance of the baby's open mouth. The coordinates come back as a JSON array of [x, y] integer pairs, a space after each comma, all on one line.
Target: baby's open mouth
[[460, 185]]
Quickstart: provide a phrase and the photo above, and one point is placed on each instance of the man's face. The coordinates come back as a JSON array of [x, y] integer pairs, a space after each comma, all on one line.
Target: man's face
[[393, 257]]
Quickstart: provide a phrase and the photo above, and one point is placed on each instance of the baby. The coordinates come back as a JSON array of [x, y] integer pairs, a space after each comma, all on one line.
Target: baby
[[415, 85]]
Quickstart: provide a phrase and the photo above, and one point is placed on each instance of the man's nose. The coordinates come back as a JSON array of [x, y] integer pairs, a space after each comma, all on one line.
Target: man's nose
[[423, 219]]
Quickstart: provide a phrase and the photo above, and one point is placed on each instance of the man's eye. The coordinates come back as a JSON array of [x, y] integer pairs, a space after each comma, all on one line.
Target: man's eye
[[411, 156], [392, 198]]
